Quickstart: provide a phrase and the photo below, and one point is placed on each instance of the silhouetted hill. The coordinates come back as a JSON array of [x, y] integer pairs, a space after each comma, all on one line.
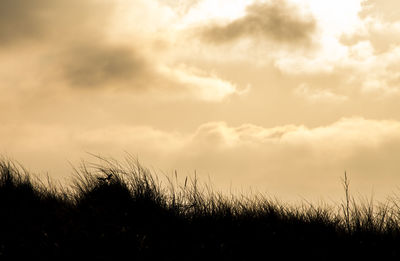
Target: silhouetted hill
[[122, 212]]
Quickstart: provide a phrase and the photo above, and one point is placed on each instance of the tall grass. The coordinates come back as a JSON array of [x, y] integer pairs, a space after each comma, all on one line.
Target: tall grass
[[118, 210]]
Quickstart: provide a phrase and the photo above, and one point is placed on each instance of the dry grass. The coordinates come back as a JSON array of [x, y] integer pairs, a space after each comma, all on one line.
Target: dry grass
[[114, 210]]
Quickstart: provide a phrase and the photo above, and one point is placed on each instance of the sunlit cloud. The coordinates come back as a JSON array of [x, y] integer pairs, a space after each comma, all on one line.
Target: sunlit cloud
[[182, 7], [345, 137], [382, 9], [226, 150], [203, 85]]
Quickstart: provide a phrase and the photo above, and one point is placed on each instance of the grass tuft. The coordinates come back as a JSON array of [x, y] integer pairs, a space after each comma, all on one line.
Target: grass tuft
[[119, 211]]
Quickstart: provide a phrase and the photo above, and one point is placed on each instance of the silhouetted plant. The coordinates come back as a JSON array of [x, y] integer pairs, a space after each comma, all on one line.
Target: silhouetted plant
[[115, 210]]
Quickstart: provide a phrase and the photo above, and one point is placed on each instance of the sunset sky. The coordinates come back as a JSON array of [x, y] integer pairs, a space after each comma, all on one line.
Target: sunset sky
[[279, 96]]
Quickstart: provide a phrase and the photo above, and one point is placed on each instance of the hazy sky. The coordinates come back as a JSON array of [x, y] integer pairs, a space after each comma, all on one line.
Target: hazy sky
[[279, 96]]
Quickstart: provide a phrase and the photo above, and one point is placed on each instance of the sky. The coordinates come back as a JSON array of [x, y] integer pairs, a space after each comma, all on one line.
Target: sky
[[276, 96]]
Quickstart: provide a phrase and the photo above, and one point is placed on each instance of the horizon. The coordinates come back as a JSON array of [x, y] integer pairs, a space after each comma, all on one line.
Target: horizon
[[277, 96]]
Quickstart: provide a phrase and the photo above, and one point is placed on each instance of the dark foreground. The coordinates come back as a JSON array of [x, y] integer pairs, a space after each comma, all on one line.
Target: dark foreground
[[129, 216]]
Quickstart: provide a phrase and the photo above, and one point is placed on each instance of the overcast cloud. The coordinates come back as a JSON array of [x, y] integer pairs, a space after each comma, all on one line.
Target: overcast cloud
[[279, 95], [276, 21]]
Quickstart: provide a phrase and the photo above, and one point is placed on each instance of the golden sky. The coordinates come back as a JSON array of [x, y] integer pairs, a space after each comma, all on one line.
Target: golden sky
[[281, 96]]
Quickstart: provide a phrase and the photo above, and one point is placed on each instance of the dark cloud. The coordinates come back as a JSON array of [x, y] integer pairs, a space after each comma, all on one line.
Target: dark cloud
[[72, 31], [276, 20], [71, 45], [91, 65], [19, 19], [24, 20]]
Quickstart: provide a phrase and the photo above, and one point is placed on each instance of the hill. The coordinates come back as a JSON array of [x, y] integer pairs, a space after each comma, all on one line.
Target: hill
[[115, 211]]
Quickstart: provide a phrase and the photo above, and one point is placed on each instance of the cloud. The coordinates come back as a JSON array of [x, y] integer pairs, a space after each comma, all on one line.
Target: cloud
[[182, 7], [379, 25], [290, 159], [100, 65], [22, 21], [318, 95], [203, 85], [382, 9], [71, 43], [97, 65], [298, 160], [71, 35], [384, 36], [364, 57], [347, 133], [276, 21], [341, 139], [130, 79]]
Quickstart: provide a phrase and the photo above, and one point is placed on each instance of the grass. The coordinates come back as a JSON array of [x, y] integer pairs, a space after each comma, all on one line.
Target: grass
[[122, 211]]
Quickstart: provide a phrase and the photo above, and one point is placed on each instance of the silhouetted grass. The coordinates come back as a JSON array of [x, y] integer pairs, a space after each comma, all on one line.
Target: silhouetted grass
[[115, 211]]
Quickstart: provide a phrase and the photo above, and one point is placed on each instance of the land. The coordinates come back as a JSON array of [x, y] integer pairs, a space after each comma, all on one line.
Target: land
[[121, 211]]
